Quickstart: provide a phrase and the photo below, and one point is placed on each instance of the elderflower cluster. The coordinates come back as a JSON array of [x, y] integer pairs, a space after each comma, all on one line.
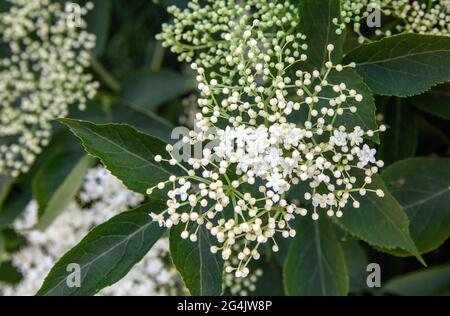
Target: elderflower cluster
[[266, 126], [423, 17], [42, 73], [213, 30], [103, 196]]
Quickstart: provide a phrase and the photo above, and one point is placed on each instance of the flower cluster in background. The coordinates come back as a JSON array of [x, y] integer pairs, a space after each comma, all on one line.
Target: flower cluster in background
[[266, 125], [241, 286], [42, 73], [423, 17], [207, 33], [103, 196]]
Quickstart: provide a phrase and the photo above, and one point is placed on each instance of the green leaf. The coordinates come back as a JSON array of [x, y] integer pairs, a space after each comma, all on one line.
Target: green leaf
[[2, 246], [427, 282], [401, 138], [403, 65], [357, 262], [98, 23], [365, 115], [436, 101], [270, 283], [57, 183], [316, 23], [147, 91], [381, 222], [422, 187], [127, 153], [9, 273], [200, 269], [146, 122], [21, 192], [5, 187], [315, 264], [13, 240], [107, 253]]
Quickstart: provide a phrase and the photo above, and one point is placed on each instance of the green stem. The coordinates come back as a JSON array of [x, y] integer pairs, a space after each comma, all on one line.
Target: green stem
[[158, 57], [105, 75]]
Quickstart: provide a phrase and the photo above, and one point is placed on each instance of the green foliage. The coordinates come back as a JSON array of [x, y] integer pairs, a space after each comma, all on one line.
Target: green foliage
[[421, 186], [107, 253], [99, 23], [403, 65], [21, 192], [200, 269], [315, 264], [380, 222], [316, 18], [146, 91], [429, 282], [127, 153], [146, 122], [57, 183], [400, 140], [9, 274], [357, 261], [5, 185], [436, 101]]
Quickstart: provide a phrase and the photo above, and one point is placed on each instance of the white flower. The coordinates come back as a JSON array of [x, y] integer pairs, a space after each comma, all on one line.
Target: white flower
[[339, 138], [276, 182], [366, 155], [356, 137]]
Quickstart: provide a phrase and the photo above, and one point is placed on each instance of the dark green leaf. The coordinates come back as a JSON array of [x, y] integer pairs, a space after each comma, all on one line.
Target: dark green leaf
[[380, 222], [9, 273], [403, 65], [357, 262], [13, 240], [436, 101], [57, 183], [127, 153], [146, 90], [107, 253], [2, 246], [428, 282], [401, 138], [316, 23], [200, 270], [422, 187], [315, 264], [98, 22], [5, 187], [270, 283], [21, 192], [146, 122]]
